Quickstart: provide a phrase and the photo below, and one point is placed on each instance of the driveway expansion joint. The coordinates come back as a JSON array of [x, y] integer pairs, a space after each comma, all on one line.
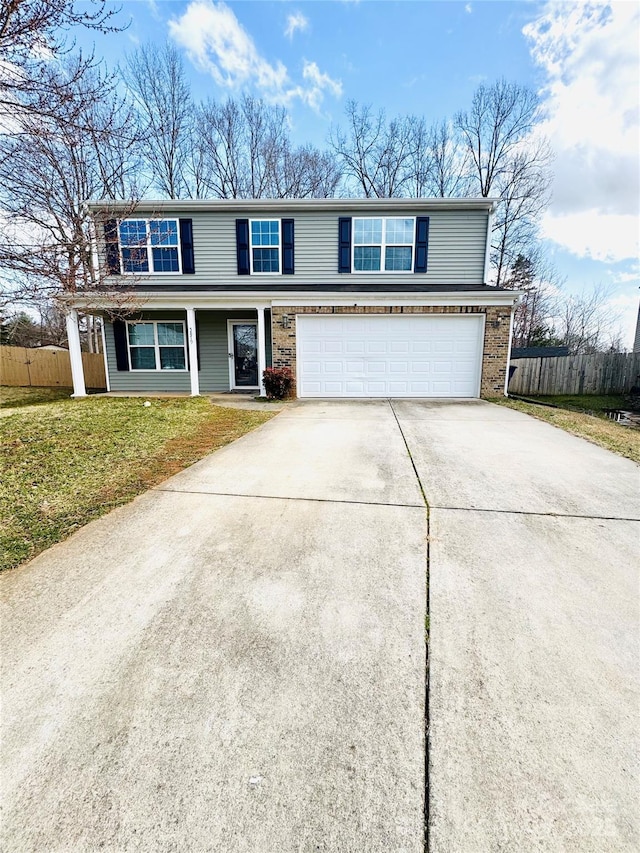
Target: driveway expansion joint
[[287, 498], [536, 513], [427, 751]]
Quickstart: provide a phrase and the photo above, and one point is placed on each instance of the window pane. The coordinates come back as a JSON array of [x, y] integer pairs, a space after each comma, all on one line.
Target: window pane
[[165, 260], [367, 231], [141, 334], [164, 232], [366, 258], [398, 258], [133, 232], [265, 233], [170, 334], [400, 231], [265, 260], [135, 260], [143, 358], [171, 358]]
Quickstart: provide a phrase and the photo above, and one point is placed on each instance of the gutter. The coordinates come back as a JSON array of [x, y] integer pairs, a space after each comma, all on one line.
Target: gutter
[[293, 204]]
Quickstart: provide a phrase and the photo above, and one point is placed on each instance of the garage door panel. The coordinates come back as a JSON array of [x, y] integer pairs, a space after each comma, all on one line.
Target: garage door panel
[[395, 355]]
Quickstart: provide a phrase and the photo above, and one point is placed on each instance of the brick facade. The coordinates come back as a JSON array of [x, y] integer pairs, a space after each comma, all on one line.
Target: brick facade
[[496, 334]]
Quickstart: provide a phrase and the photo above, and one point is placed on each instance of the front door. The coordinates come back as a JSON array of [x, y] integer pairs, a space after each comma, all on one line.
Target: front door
[[243, 354]]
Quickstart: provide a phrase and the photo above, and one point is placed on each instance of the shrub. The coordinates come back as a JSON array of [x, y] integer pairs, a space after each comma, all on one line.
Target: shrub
[[278, 382]]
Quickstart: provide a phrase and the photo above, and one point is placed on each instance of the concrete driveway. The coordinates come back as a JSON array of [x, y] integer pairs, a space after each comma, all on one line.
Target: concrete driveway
[[535, 619], [236, 661]]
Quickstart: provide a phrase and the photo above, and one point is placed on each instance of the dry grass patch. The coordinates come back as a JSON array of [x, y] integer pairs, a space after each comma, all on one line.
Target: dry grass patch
[[64, 464], [622, 440]]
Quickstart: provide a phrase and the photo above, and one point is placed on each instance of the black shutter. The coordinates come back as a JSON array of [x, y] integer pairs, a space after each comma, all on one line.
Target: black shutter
[[112, 251], [186, 246], [422, 243], [288, 259], [344, 243], [242, 246], [120, 340]]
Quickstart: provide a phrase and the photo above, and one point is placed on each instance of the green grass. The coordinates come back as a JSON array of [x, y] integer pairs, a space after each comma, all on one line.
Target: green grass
[[65, 463], [622, 440], [584, 402], [11, 398]]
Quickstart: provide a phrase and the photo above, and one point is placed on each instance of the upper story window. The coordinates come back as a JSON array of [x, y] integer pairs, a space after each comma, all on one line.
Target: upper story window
[[383, 244], [149, 246], [265, 245]]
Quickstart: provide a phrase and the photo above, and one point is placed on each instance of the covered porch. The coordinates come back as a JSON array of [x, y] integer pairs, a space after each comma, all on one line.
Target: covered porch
[[181, 350]]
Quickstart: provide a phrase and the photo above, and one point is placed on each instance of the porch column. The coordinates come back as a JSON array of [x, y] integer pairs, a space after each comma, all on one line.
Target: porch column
[[262, 350], [75, 354], [193, 352]]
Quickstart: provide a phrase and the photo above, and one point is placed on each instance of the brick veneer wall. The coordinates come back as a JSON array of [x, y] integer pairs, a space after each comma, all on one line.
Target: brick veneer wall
[[496, 338]]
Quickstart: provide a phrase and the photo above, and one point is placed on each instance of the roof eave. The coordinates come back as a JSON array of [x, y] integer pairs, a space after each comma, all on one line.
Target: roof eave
[[296, 204]]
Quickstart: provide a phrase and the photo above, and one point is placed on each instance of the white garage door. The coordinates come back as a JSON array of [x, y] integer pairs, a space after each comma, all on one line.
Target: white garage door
[[382, 355]]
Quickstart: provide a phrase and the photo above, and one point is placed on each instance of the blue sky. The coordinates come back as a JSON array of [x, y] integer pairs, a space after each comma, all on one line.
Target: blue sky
[[427, 58]]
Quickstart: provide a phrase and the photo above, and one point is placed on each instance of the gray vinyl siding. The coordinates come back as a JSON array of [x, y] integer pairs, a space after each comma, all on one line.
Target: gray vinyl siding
[[214, 347], [213, 353], [457, 241]]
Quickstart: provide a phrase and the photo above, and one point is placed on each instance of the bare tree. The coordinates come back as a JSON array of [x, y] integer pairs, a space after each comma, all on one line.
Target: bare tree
[[448, 163], [156, 79], [46, 241], [587, 323], [377, 157], [509, 162], [244, 151], [33, 42], [533, 320], [442, 163]]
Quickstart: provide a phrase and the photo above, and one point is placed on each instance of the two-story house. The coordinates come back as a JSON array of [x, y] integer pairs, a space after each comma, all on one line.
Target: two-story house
[[359, 297]]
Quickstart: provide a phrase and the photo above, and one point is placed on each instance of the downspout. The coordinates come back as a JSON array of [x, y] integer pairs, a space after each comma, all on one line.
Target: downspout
[[506, 378]]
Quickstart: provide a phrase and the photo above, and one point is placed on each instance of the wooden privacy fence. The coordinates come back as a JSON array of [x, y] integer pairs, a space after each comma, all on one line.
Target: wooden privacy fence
[[20, 366], [602, 373]]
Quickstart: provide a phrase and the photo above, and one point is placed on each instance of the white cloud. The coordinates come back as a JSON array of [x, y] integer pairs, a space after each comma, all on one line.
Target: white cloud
[[296, 21], [468, 8], [589, 53], [217, 43], [590, 233]]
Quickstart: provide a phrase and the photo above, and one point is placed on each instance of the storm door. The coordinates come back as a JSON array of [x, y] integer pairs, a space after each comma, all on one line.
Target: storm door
[[243, 354]]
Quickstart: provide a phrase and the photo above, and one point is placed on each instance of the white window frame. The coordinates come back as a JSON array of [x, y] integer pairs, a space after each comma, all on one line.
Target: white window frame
[[384, 245], [157, 347], [251, 247], [149, 247]]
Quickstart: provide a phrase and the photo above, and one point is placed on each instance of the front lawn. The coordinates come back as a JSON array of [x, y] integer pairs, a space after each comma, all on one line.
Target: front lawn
[[65, 463], [11, 398], [623, 440]]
